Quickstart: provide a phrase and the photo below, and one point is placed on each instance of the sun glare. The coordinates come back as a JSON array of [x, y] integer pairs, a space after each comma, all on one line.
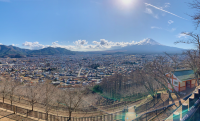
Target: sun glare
[[126, 2]]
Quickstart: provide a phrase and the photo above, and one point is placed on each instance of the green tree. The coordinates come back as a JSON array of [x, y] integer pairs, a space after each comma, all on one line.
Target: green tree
[[97, 88]]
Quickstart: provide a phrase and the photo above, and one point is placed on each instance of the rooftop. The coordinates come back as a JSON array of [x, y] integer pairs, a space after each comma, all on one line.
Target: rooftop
[[184, 75]]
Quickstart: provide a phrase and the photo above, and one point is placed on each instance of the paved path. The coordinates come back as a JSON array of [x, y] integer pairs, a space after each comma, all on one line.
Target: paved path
[[130, 115], [6, 115], [3, 118], [54, 112]]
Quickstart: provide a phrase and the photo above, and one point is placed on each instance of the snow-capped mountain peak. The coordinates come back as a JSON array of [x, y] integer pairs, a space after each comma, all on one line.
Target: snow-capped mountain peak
[[148, 46], [148, 41]]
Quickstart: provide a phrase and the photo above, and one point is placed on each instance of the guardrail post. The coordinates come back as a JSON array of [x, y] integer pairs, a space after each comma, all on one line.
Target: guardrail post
[[166, 102], [184, 109], [158, 95], [14, 109], [26, 112], [146, 117], [50, 116], [198, 111], [176, 116], [191, 102], [199, 91], [196, 96]]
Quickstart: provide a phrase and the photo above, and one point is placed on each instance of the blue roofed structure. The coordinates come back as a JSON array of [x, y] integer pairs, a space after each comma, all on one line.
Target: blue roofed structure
[[181, 80]]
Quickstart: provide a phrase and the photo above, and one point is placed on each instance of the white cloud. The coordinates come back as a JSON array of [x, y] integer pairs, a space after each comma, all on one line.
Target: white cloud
[[1, 44], [69, 47], [155, 27], [80, 42], [173, 29], [54, 43], [105, 44], [15, 44], [170, 30], [170, 22], [161, 9], [167, 5], [81, 45], [34, 45], [182, 35], [149, 11], [156, 16]]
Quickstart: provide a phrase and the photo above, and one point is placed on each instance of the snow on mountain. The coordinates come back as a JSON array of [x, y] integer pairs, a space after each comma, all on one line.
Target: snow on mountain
[[149, 46], [148, 41]]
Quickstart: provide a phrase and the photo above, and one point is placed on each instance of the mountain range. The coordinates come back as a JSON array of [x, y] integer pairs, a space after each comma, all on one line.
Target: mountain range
[[16, 52], [145, 46], [149, 46]]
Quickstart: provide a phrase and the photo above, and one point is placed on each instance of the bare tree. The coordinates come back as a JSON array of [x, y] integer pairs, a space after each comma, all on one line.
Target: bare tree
[[147, 82], [20, 93], [194, 39], [4, 88], [71, 98], [12, 89], [193, 56], [32, 93], [47, 96], [192, 59], [174, 58], [195, 4], [158, 70]]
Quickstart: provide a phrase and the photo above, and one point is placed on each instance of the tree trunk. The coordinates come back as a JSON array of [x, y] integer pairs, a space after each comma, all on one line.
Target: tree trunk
[[70, 113], [170, 96], [32, 107], [197, 79], [46, 112], [166, 89], [3, 99], [47, 116]]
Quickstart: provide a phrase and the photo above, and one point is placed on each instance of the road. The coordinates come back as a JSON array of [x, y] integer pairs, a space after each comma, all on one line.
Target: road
[[79, 72], [87, 74]]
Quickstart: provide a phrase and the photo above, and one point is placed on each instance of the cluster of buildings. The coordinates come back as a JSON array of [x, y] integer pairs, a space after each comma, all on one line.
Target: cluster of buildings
[[71, 70]]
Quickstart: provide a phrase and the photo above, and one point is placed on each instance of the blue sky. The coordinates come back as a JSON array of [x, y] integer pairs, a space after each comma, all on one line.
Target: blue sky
[[93, 24]]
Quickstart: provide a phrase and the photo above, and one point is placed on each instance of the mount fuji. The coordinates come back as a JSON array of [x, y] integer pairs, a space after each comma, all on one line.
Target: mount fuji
[[147, 41], [149, 46]]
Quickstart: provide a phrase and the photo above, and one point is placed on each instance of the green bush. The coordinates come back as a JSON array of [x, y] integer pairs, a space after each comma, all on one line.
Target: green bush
[[97, 88]]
